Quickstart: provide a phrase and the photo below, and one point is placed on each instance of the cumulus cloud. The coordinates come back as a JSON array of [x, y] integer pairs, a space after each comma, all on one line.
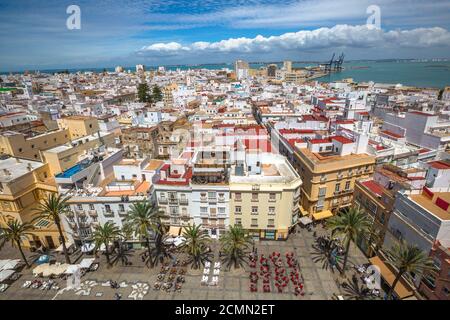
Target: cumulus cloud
[[338, 36]]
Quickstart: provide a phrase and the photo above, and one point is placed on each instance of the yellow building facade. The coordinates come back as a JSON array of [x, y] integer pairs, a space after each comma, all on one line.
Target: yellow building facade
[[267, 206], [23, 185], [329, 180], [79, 126], [29, 147]]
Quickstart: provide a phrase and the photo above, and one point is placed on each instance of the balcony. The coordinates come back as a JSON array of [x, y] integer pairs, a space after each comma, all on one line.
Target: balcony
[[184, 202], [203, 199], [173, 201], [122, 213], [162, 201], [221, 200], [108, 214]]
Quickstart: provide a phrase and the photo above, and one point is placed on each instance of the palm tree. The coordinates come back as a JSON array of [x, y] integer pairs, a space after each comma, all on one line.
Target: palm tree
[[123, 253], [144, 217], [351, 225], [354, 291], [407, 258], [234, 245], [51, 209], [15, 232], [104, 235], [196, 246]]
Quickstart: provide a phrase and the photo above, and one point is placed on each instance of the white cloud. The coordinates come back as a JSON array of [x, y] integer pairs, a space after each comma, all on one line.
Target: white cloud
[[337, 36]]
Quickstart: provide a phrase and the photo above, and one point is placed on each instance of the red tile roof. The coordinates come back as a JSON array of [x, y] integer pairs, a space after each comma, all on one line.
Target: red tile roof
[[374, 187], [342, 139], [392, 134], [439, 165], [422, 113], [285, 131], [317, 141]]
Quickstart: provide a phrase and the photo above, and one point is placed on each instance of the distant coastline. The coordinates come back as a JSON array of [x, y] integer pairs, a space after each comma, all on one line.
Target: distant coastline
[[432, 73]]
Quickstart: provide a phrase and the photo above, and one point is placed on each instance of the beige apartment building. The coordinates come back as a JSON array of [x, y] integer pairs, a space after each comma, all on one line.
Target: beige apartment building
[[30, 146], [65, 156], [23, 185], [264, 197], [79, 126], [329, 169]]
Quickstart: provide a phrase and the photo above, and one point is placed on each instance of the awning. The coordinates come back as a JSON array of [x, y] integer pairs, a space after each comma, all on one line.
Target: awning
[[68, 245], [305, 220], [303, 212], [40, 268], [72, 268], [5, 274], [86, 263], [402, 289], [9, 264], [87, 247], [322, 215], [174, 231]]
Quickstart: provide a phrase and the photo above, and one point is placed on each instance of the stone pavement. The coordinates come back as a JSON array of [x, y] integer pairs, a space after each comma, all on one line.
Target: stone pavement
[[319, 283]]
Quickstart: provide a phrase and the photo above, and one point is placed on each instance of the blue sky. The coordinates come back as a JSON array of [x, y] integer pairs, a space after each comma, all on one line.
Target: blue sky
[[33, 34]]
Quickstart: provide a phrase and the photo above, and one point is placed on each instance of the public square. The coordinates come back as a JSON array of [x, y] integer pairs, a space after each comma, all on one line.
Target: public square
[[136, 281]]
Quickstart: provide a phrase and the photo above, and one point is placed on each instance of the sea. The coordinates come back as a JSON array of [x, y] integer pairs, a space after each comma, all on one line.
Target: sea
[[418, 73]]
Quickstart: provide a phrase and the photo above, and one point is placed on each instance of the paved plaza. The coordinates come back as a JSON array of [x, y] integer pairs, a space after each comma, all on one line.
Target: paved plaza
[[136, 281]]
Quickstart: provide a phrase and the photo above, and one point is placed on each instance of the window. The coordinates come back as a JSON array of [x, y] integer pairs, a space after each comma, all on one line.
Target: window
[[271, 223], [322, 192], [91, 207], [238, 221], [134, 176], [320, 203], [347, 185], [122, 177], [254, 210], [337, 187], [211, 195], [221, 210], [272, 196], [430, 280], [254, 197], [254, 222], [437, 263], [445, 291], [203, 209], [79, 206], [238, 196], [108, 208], [238, 210], [221, 195], [20, 149], [121, 208], [271, 210]]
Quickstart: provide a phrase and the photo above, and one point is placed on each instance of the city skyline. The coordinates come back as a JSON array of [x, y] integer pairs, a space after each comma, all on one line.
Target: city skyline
[[35, 35]]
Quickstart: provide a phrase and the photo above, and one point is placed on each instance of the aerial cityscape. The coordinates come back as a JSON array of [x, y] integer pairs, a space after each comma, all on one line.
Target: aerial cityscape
[[217, 150]]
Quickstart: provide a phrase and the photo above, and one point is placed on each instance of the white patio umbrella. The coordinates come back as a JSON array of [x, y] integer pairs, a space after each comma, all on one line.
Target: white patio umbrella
[[72, 268], [86, 263], [11, 265], [5, 274]]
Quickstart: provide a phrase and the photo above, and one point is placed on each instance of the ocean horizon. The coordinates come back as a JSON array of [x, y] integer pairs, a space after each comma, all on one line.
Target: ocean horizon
[[434, 73]]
